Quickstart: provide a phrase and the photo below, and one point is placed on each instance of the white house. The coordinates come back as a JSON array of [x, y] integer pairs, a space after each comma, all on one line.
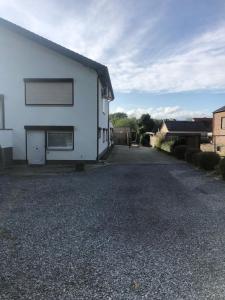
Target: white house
[[54, 103]]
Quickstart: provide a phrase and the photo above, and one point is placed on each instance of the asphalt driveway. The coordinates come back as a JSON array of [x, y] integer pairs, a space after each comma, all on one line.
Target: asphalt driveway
[[122, 231]]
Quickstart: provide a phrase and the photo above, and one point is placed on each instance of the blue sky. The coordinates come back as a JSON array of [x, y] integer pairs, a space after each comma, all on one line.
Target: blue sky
[[165, 57]]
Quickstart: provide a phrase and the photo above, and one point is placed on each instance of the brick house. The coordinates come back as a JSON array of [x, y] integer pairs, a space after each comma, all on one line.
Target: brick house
[[219, 129]]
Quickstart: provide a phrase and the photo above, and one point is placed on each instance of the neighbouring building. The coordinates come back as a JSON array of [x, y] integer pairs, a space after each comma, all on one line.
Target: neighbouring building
[[190, 132], [208, 124], [54, 103], [219, 130]]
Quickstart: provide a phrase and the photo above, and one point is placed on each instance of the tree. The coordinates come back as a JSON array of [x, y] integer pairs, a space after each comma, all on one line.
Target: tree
[[118, 115], [126, 122], [145, 123]]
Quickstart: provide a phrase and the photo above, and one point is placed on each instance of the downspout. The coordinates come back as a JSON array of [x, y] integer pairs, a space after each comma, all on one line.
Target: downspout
[[97, 116], [108, 126]]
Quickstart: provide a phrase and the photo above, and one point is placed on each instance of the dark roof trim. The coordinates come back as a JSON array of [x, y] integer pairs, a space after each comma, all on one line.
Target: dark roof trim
[[185, 126], [101, 70], [46, 127], [221, 109]]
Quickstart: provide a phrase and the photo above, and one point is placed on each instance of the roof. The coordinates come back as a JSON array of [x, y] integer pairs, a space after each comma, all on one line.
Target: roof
[[221, 109], [185, 126], [207, 122], [101, 70]]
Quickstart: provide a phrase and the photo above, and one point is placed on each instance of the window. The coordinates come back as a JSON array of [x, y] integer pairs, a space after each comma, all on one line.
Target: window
[[223, 123], [99, 132], [2, 115], [107, 135], [59, 140], [103, 136], [49, 91], [103, 106]]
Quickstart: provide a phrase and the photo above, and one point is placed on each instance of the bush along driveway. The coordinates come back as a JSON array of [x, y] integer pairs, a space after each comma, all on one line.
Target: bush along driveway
[[124, 231]]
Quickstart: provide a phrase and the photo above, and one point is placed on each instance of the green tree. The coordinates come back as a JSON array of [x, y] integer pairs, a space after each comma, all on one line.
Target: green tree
[[146, 123], [117, 116], [126, 122]]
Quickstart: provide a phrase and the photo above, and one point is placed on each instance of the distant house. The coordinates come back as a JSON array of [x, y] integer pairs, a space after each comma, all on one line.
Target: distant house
[[54, 103], [183, 127], [208, 124], [190, 132], [219, 129]]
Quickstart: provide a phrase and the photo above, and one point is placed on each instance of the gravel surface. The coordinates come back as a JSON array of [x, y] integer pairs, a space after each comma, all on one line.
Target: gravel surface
[[116, 232]]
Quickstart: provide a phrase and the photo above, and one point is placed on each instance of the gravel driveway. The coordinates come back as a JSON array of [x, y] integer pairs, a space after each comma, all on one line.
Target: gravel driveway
[[123, 231]]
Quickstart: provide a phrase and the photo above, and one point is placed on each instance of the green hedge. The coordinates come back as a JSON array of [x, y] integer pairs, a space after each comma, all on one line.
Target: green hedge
[[207, 160], [190, 154], [179, 151]]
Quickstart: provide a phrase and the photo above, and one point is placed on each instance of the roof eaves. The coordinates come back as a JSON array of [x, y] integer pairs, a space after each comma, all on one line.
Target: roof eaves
[[101, 69]]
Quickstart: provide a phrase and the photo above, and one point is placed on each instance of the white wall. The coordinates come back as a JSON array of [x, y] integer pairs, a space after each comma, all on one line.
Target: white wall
[[6, 138], [21, 58], [103, 120]]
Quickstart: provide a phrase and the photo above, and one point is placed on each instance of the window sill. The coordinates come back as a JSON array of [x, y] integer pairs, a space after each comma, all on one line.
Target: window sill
[[59, 149]]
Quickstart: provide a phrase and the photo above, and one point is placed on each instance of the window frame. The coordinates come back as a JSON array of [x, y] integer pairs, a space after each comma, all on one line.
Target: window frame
[[48, 80], [2, 104], [103, 136], [59, 148], [222, 120], [99, 132]]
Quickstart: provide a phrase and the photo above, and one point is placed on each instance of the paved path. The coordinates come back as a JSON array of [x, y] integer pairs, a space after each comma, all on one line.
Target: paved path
[[123, 231], [139, 155]]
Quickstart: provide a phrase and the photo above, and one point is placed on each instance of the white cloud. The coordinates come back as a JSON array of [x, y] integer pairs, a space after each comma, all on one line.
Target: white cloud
[[123, 42], [198, 65], [167, 112]]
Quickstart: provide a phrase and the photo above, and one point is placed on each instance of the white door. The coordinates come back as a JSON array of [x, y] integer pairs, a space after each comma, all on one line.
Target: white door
[[36, 147]]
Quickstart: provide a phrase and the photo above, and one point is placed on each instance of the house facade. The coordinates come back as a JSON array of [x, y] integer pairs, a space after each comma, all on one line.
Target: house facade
[[219, 130], [187, 132], [54, 102]]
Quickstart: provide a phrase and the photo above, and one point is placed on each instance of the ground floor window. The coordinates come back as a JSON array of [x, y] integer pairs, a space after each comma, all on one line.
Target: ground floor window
[[59, 140]]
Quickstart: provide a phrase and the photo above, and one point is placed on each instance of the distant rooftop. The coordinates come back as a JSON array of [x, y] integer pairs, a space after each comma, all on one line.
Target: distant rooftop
[[185, 126]]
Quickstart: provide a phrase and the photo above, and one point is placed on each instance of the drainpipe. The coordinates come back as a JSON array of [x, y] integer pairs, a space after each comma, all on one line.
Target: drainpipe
[[97, 116]]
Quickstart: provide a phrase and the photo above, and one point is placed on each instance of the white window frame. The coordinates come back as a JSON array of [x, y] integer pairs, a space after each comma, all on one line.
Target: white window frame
[[2, 112], [46, 81], [103, 136], [99, 132], [63, 147], [103, 105]]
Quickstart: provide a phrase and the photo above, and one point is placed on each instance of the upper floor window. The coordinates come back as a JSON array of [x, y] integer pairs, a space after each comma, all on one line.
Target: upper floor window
[[49, 92], [103, 136], [99, 132], [103, 105], [223, 123], [2, 115]]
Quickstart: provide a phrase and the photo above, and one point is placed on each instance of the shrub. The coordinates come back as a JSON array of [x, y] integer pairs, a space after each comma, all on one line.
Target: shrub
[[208, 160], [195, 158], [159, 139], [179, 151], [167, 146], [190, 153], [222, 168]]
